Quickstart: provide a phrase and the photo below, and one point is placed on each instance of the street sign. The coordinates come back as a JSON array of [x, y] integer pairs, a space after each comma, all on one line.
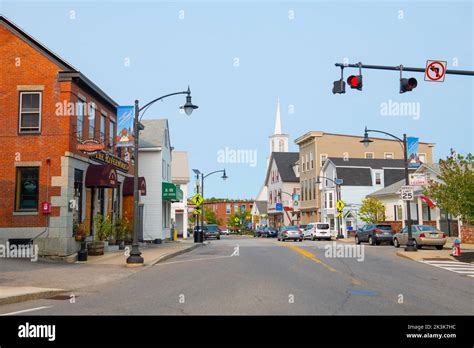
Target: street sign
[[197, 211], [279, 207], [435, 70], [197, 199], [418, 179], [338, 181], [340, 205], [406, 193], [339, 214], [236, 219]]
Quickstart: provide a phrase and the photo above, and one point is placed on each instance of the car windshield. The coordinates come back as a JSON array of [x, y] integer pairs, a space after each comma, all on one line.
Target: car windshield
[[308, 227], [212, 228], [384, 227], [426, 228], [323, 226], [291, 228]]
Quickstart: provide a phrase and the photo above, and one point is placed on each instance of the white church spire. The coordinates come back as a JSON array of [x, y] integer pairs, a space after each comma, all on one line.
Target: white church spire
[[278, 119]]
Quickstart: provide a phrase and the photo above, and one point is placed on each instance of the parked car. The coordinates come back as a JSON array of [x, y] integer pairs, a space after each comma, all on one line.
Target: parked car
[[225, 231], [269, 232], [302, 227], [423, 236], [290, 232], [258, 232], [374, 234], [212, 231], [317, 231]]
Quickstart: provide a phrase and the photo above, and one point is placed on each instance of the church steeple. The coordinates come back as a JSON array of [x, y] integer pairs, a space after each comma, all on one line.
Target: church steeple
[[278, 141]]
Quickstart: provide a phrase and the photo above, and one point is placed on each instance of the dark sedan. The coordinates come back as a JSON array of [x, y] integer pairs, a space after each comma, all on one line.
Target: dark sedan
[[269, 232], [212, 231], [374, 234]]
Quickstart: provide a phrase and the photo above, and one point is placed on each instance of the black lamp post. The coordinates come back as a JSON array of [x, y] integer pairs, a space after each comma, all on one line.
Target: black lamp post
[[338, 197], [366, 141], [135, 258], [224, 176]]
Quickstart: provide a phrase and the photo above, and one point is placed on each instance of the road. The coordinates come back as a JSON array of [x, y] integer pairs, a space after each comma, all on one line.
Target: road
[[263, 276]]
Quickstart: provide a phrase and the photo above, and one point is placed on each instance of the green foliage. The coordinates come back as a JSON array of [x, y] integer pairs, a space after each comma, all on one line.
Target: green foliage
[[244, 217], [210, 216], [372, 210], [122, 229], [453, 190], [102, 226]]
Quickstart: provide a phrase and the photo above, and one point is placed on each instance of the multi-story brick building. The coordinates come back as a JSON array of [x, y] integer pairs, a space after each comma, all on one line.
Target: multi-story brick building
[[224, 208], [47, 108]]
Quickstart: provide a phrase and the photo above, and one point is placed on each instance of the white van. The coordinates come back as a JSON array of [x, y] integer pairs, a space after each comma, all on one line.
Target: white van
[[317, 231]]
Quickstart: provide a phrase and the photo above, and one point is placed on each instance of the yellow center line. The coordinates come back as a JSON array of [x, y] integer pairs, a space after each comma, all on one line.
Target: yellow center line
[[311, 256]]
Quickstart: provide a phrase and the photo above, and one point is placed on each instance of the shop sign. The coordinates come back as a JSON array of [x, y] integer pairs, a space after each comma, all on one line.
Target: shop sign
[[108, 158]]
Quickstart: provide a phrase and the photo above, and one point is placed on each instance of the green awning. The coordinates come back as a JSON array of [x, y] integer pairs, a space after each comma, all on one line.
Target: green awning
[[170, 192]]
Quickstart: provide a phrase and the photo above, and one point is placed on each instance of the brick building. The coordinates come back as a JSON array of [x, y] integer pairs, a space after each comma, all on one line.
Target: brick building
[[224, 208], [47, 108]]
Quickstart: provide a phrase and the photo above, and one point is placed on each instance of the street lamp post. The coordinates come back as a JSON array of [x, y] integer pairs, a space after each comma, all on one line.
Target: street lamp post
[[338, 197], [224, 176], [135, 258], [366, 141]]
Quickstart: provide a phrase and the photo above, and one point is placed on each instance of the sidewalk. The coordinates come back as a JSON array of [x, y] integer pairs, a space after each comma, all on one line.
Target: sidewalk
[[22, 280], [433, 254]]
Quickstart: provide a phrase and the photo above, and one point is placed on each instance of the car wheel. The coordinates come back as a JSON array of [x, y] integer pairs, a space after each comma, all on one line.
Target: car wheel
[[301, 240], [357, 240], [439, 247], [396, 244], [278, 239], [377, 243], [371, 240], [415, 244]]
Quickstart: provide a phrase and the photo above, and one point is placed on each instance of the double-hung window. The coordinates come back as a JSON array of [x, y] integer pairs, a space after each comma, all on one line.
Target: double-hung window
[[27, 192], [80, 119], [30, 112], [91, 121], [103, 118]]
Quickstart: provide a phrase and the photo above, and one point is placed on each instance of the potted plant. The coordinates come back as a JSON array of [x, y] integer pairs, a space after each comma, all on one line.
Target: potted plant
[[79, 232], [102, 228]]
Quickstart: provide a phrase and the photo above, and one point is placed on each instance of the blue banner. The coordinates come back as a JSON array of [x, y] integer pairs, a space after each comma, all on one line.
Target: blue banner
[[125, 115], [412, 153]]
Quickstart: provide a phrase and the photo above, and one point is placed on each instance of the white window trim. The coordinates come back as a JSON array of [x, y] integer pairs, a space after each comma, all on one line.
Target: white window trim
[[388, 153], [365, 155], [321, 158], [40, 111]]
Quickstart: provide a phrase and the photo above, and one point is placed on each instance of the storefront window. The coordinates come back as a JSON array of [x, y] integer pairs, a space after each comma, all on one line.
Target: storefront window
[[78, 179], [26, 198]]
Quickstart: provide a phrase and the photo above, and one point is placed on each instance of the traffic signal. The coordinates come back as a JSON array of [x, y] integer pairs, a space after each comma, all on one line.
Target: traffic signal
[[407, 85], [339, 87], [355, 81]]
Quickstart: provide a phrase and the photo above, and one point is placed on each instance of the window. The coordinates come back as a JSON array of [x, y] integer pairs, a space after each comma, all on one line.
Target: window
[[311, 160], [330, 200], [30, 112], [310, 193], [227, 208], [102, 127], [369, 155], [242, 208], [307, 162], [270, 195], [378, 179], [324, 157], [26, 196], [80, 119], [78, 193], [236, 207], [302, 190], [91, 121], [422, 157], [112, 134], [388, 155]]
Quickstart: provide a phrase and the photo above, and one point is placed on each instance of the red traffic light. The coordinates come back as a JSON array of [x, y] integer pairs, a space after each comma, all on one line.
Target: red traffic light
[[355, 81]]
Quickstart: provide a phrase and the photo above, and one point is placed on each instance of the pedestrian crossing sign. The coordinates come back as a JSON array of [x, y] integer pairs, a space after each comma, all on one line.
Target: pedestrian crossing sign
[[339, 214], [340, 205], [197, 199], [197, 211]]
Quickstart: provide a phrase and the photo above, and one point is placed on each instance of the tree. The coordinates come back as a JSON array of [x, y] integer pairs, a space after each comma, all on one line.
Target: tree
[[210, 217], [246, 216], [453, 190], [372, 210]]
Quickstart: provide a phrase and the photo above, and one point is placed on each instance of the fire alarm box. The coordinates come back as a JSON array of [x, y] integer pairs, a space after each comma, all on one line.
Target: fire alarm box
[[46, 207]]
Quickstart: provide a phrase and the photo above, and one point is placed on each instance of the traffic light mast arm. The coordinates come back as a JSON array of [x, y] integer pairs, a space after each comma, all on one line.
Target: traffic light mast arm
[[405, 68]]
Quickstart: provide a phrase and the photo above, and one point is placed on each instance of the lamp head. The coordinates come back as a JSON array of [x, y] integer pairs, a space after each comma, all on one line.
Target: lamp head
[[188, 107], [224, 176], [366, 141]]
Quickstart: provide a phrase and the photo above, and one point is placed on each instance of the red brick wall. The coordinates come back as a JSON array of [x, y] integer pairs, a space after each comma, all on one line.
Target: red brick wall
[[467, 234], [220, 209], [21, 64]]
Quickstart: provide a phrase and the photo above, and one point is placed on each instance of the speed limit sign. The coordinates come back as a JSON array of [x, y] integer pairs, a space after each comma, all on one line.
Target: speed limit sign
[[406, 193]]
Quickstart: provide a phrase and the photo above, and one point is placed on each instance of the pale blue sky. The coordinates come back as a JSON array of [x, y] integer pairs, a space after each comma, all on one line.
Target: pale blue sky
[[279, 57]]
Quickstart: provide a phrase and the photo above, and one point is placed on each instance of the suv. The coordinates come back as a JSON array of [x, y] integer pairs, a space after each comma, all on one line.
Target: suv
[[374, 234], [212, 231]]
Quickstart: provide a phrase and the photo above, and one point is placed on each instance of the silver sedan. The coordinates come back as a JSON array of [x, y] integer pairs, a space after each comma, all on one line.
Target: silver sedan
[[423, 235]]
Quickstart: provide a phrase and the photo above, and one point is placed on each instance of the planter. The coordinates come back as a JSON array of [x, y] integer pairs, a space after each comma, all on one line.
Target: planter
[[121, 244], [96, 248], [112, 248]]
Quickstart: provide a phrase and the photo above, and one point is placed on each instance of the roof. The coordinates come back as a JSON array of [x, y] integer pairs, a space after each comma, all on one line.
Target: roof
[[153, 134], [434, 167], [355, 176], [261, 206], [179, 167], [284, 162], [374, 163], [69, 71], [392, 189]]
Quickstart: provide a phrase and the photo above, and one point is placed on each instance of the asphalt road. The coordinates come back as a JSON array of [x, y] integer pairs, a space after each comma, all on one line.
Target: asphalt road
[[263, 276]]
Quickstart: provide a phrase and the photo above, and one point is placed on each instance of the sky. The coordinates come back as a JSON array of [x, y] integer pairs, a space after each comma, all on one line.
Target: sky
[[239, 57]]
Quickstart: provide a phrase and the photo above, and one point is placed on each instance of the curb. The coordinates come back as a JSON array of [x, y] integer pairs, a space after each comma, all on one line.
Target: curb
[[176, 253], [31, 296], [400, 254]]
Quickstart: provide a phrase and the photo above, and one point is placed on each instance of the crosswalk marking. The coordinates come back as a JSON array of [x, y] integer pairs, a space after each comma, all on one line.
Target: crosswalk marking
[[462, 268]]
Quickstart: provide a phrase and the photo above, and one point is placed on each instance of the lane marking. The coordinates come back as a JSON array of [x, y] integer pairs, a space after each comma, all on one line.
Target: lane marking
[[311, 256], [462, 268], [26, 310]]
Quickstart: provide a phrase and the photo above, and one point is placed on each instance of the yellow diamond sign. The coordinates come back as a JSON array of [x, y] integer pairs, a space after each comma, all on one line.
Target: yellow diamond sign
[[339, 214], [197, 199], [197, 211], [340, 205]]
